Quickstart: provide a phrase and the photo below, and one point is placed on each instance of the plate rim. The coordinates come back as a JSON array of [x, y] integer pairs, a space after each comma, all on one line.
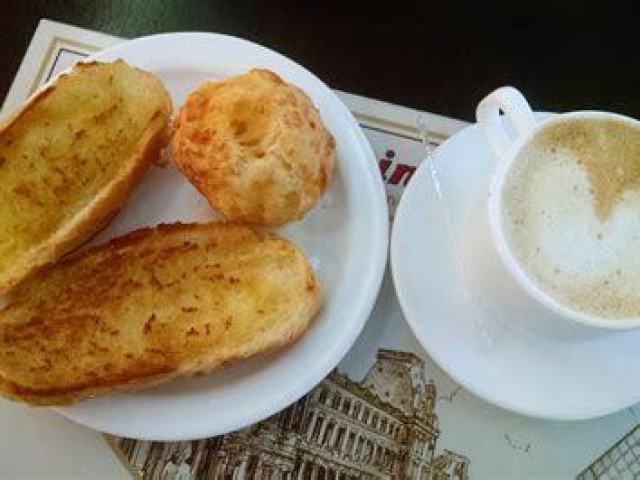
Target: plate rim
[[374, 272], [397, 272]]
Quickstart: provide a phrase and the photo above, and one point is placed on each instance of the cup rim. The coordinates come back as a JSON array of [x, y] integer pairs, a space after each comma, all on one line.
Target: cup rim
[[511, 262]]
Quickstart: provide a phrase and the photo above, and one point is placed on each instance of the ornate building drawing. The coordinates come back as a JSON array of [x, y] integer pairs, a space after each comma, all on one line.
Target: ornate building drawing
[[621, 461], [383, 427]]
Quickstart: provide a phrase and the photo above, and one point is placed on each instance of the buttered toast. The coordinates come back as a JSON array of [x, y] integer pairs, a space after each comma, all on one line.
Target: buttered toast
[[69, 159], [150, 306]]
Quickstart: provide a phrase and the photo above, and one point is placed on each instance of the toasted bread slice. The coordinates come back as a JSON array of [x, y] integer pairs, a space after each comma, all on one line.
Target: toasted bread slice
[[153, 305], [69, 159]]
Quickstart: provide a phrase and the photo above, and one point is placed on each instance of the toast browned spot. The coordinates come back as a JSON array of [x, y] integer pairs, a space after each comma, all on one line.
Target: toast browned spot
[[150, 306], [69, 159]]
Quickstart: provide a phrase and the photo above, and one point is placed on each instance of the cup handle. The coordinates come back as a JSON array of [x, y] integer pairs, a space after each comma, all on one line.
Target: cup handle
[[517, 112]]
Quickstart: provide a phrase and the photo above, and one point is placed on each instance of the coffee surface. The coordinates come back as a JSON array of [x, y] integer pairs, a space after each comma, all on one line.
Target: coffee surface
[[571, 214]]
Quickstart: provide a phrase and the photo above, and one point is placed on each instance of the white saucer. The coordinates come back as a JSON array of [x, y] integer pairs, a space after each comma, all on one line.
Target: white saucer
[[520, 365], [345, 237]]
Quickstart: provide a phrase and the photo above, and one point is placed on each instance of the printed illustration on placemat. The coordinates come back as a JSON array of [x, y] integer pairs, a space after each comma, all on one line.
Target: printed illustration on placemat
[[383, 426], [621, 461]]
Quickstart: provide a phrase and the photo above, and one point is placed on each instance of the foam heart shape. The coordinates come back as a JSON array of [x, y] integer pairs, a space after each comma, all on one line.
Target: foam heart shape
[[572, 216]]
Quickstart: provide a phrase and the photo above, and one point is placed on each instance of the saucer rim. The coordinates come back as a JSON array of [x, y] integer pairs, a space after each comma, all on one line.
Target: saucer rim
[[413, 318]]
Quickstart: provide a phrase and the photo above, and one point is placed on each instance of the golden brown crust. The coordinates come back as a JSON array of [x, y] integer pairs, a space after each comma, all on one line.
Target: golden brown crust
[[95, 160], [255, 147], [150, 306]]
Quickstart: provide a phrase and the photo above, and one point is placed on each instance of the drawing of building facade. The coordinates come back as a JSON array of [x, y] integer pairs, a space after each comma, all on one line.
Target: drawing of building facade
[[383, 427], [621, 461]]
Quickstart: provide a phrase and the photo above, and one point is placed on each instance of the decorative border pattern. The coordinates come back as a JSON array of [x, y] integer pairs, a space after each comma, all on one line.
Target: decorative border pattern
[[83, 49]]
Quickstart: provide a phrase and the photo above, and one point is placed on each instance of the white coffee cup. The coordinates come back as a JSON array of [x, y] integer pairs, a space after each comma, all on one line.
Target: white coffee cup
[[508, 134]]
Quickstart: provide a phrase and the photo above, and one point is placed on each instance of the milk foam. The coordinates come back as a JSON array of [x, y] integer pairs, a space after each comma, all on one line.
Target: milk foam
[[585, 259]]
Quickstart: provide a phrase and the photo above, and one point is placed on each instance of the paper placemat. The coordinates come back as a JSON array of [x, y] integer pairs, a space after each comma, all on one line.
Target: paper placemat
[[386, 412]]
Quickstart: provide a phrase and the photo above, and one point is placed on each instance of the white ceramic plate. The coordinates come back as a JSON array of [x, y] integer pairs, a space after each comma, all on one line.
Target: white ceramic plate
[[560, 372], [345, 237]]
